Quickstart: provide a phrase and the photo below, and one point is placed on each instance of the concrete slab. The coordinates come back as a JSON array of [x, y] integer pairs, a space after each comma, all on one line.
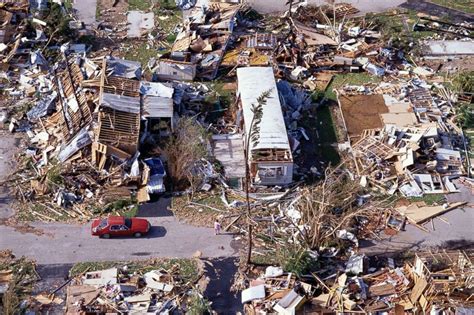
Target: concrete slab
[[85, 11], [139, 23], [453, 232]]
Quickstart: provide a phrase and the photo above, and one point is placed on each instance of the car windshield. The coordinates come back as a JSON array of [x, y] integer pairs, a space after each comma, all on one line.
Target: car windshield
[[103, 223]]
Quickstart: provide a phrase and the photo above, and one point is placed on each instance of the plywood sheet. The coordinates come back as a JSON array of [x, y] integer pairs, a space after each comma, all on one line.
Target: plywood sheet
[[362, 112]]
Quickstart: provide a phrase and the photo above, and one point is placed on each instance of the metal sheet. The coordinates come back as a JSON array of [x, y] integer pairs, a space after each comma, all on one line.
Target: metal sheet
[[252, 82], [121, 103]]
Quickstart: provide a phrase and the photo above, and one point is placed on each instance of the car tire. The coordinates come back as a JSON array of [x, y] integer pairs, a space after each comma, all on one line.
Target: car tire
[[138, 234], [105, 236]]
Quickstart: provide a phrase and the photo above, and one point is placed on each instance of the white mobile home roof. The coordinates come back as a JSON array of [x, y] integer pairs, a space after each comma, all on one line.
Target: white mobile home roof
[[252, 82]]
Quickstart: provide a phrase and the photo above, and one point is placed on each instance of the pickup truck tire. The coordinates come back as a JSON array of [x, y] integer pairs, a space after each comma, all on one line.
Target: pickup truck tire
[[105, 236], [138, 234]]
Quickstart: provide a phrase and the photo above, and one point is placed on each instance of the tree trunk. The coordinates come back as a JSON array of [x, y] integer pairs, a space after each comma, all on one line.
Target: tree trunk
[[247, 195]]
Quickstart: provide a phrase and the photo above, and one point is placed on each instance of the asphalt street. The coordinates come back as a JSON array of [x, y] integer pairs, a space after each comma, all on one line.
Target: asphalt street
[[71, 243], [451, 230], [67, 243]]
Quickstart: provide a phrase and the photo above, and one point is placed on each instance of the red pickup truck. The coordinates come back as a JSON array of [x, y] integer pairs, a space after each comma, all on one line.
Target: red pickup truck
[[120, 226]]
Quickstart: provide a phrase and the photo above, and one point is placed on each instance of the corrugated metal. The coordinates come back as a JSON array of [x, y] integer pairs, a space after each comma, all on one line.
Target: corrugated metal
[[157, 107], [125, 68], [121, 103], [169, 70], [252, 82]]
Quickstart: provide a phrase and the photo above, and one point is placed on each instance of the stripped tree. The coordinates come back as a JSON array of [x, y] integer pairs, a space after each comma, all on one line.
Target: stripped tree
[[253, 136], [186, 146]]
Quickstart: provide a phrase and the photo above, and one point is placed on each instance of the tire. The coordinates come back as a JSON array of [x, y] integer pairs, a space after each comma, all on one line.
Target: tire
[[105, 236], [138, 234]]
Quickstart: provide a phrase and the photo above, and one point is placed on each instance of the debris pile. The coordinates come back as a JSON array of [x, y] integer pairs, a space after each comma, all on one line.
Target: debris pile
[[134, 292], [434, 281], [408, 143], [201, 45], [84, 134], [17, 278]]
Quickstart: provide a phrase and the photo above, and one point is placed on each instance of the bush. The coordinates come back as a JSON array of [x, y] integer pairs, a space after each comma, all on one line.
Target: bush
[[295, 260], [198, 305], [186, 146]]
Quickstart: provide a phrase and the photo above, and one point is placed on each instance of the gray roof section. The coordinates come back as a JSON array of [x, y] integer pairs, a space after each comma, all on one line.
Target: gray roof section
[[121, 103], [449, 47], [157, 107], [252, 82], [125, 68]]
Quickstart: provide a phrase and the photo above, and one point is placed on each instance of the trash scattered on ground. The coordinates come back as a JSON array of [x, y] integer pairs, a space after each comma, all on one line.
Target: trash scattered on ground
[[438, 281], [135, 287], [305, 134]]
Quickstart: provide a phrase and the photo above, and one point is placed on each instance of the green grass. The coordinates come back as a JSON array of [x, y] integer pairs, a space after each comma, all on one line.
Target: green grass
[[461, 5], [141, 53], [97, 12], [68, 5], [340, 80], [469, 133], [123, 207], [188, 268], [327, 135], [322, 133], [429, 199], [392, 26], [144, 5], [54, 176], [139, 5]]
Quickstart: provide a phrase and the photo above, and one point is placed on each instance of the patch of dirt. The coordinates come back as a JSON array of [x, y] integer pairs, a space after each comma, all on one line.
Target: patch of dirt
[[24, 228], [362, 112]]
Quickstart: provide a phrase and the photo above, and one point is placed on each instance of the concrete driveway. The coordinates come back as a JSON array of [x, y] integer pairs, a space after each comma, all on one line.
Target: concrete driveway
[[66, 243], [452, 230]]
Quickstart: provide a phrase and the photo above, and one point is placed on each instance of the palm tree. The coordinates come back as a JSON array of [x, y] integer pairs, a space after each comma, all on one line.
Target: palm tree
[[253, 137]]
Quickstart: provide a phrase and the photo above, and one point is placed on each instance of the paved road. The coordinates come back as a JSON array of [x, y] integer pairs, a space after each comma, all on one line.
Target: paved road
[[7, 147], [457, 233], [433, 9], [66, 243]]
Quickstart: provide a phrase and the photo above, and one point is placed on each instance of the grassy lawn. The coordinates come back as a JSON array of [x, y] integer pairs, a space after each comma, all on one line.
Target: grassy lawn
[[429, 199], [320, 129], [327, 135], [139, 5], [340, 80], [469, 133], [195, 214], [188, 268], [141, 53], [461, 5], [398, 27]]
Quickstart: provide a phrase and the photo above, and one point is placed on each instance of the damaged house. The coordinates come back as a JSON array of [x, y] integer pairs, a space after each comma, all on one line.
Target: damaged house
[[119, 120], [402, 141], [157, 108], [270, 158]]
